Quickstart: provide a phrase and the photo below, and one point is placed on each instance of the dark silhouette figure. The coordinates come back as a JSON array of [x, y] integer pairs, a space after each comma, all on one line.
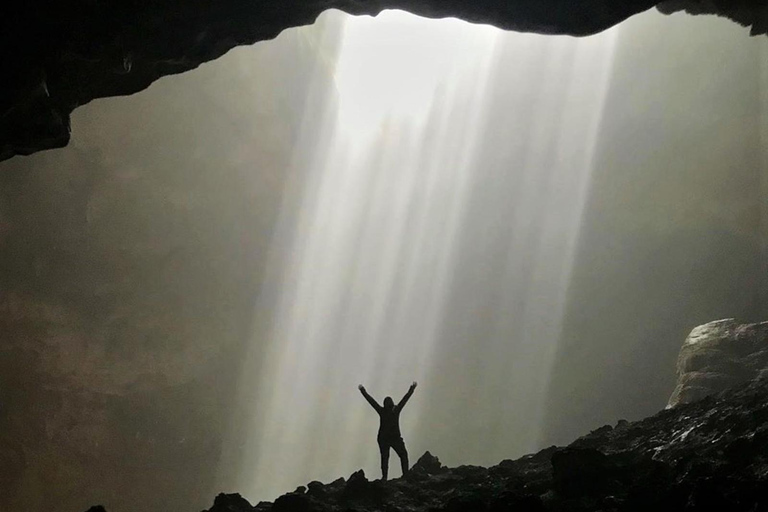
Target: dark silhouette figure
[[389, 429]]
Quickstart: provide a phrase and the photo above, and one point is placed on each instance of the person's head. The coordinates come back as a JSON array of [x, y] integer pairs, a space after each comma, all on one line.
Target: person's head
[[389, 403]]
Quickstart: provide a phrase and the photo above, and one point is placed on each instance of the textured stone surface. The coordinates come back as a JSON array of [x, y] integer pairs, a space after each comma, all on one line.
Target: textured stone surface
[[710, 455], [58, 55], [720, 355]]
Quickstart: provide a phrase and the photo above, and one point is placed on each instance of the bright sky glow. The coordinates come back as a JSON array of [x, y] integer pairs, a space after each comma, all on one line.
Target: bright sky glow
[[390, 66]]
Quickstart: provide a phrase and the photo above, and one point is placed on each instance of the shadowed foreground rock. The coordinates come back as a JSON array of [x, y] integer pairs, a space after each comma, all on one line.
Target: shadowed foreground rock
[[708, 455]]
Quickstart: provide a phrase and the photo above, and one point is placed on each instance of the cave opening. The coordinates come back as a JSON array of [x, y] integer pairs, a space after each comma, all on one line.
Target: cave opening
[[527, 225], [433, 241]]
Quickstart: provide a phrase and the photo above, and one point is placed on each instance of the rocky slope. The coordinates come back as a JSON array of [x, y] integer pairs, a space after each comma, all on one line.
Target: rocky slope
[[708, 455], [60, 55]]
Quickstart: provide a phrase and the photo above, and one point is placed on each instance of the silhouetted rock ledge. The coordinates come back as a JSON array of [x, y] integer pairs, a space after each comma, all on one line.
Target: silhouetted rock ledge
[[707, 455], [59, 55]]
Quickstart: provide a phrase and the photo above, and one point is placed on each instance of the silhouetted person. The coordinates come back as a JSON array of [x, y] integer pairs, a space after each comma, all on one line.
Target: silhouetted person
[[389, 429]]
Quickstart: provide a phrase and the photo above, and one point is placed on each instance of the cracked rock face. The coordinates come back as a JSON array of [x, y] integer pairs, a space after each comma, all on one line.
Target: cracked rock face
[[720, 355], [60, 55]]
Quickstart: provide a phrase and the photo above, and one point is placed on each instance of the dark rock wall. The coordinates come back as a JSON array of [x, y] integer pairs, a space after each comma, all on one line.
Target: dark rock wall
[[129, 267], [749, 13], [672, 234]]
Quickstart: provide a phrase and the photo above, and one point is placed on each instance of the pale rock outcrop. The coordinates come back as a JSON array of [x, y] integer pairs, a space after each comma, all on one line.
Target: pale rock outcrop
[[718, 356]]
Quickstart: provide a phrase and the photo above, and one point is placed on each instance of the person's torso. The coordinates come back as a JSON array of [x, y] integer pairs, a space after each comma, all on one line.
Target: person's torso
[[389, 427]]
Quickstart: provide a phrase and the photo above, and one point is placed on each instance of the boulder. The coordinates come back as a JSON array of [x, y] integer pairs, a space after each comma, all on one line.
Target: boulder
[[230, 503], [315, 488], [428, 464], [717, 356], [291, 502], [357, 485]]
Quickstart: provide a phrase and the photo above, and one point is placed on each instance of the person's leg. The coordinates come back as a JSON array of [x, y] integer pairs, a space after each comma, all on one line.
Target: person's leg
[[399, 447], [384, 450]]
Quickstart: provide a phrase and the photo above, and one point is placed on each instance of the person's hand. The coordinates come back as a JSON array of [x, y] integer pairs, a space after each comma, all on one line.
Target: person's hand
[[413, 386], [361, 387]]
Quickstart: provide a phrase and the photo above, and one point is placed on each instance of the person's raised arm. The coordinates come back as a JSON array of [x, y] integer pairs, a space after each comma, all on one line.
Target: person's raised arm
[[368, 397], [407, 396]]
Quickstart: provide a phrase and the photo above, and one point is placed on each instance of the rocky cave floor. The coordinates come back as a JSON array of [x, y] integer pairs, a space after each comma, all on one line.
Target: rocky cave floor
[[708, 455]]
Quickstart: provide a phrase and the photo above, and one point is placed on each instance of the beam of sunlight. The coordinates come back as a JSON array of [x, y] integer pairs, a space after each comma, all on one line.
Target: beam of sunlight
[[431, 239]]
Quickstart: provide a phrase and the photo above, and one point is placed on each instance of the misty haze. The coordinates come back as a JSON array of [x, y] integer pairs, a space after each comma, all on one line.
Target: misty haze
[[529, 226]]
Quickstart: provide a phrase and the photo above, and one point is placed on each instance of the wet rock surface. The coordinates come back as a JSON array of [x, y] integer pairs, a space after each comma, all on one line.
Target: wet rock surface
[[60, 55], [708, 455], [720, 355]]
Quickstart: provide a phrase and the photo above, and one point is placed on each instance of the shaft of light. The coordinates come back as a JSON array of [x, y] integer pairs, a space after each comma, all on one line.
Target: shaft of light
[[431, 240]]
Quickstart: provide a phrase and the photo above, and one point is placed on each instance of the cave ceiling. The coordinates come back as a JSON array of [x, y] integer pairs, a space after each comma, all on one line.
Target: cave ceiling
[[60, 55]]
